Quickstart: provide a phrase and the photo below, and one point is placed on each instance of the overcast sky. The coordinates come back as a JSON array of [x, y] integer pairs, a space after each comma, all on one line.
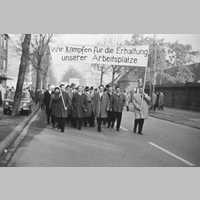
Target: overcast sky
[[192, 39], [91, 39]]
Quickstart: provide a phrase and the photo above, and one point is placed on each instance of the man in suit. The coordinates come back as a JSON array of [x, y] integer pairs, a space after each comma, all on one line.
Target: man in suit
[[46, 101], [118, 103], [89, 111], [111, 116], [102, 103], [79, 107]]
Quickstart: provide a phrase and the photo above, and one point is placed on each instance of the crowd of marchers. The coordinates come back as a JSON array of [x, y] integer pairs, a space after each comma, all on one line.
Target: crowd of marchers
[[78, 107]]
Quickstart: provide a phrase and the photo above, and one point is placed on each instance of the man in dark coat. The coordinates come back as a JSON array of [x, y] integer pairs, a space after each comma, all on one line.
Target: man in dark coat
[[59, 105], [79, 107], [89, 109], [111, 117], [68, 90], [64, 104], [118, 104], [53, 105], [101, 103], [46, 101]]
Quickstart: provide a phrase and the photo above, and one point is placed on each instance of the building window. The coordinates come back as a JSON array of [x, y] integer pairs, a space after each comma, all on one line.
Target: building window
[[4, 64], [1, 65], [4, 43], [0, 41]]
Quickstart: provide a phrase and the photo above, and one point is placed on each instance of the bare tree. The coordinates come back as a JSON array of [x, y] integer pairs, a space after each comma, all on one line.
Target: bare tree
[[22, 70], [40, 49]]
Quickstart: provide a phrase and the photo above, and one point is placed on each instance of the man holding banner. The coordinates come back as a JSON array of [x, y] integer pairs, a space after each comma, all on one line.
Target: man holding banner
[[141, 103], [63, 105]]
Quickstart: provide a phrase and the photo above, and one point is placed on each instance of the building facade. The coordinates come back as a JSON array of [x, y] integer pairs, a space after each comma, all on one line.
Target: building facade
[[3, 64], [3, 57]]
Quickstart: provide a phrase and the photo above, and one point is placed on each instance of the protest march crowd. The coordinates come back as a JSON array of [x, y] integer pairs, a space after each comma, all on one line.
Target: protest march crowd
[[80, 106]]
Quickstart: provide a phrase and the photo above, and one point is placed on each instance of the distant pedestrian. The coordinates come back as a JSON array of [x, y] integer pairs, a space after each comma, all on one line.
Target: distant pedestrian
[[157, 101], [141, 108], [161, 101], [154, 97]]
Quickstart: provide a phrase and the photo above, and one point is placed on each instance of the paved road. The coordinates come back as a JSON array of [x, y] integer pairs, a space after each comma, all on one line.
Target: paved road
[[163, 144]]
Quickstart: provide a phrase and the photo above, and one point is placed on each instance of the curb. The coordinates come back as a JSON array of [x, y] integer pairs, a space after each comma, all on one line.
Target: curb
[[15, 133], [175, 122]]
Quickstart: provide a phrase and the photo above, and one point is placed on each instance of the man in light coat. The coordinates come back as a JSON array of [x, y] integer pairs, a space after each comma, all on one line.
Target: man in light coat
[[141, 103], [102, 103]]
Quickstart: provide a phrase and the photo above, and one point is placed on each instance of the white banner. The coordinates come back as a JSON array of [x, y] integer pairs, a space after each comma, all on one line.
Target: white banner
[[118, 55], [76, 81]]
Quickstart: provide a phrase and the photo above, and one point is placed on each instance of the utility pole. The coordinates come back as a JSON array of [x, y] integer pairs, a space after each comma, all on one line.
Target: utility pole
[[154, 63]]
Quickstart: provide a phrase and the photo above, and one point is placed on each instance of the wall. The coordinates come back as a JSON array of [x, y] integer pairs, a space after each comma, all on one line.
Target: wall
[[183, 97]]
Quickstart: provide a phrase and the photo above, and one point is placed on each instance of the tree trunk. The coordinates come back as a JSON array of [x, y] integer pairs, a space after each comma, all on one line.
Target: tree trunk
[[22, 70], [38, 80]]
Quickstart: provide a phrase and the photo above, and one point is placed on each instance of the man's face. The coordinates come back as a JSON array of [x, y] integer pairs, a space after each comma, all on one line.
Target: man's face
[[52, 89], [118, 90], [80, 89], [62, 88], [101, 89], [57, 91], [110, 89]]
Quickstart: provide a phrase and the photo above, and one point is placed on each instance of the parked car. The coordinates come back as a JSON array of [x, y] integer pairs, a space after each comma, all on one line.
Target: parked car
[[26, 103], [8, 106], [8, 102]]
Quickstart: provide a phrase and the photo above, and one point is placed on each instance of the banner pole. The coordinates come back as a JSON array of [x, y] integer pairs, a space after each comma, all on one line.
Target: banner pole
[[62, 99], [143, 88]]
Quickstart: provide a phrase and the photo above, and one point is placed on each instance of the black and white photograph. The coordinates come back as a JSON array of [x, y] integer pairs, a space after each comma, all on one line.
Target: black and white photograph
[[99, 100]]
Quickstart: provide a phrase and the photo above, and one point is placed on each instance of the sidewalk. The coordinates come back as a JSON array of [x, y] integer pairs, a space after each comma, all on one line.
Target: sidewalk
[[8, 124], [184, 117]]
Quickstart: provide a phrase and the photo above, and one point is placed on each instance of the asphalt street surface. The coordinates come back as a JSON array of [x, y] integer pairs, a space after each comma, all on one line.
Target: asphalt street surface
[[164, 144]]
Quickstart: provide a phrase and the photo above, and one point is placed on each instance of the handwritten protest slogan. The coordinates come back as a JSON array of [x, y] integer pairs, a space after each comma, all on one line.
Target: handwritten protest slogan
[[119, 55]]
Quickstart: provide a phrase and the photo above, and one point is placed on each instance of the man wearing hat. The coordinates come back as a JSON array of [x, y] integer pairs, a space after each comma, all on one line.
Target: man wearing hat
[[118, 104], [89, 110], [46, 101], [64, 103], [141, 102], [79, 107], [101, 102]]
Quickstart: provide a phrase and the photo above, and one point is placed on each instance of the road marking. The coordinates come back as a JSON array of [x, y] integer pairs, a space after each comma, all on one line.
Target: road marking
[[171, 154], [124, 129]]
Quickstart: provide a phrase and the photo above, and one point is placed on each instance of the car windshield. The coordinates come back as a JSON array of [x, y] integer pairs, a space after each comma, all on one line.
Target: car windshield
[[25, 94], [10, 95]]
